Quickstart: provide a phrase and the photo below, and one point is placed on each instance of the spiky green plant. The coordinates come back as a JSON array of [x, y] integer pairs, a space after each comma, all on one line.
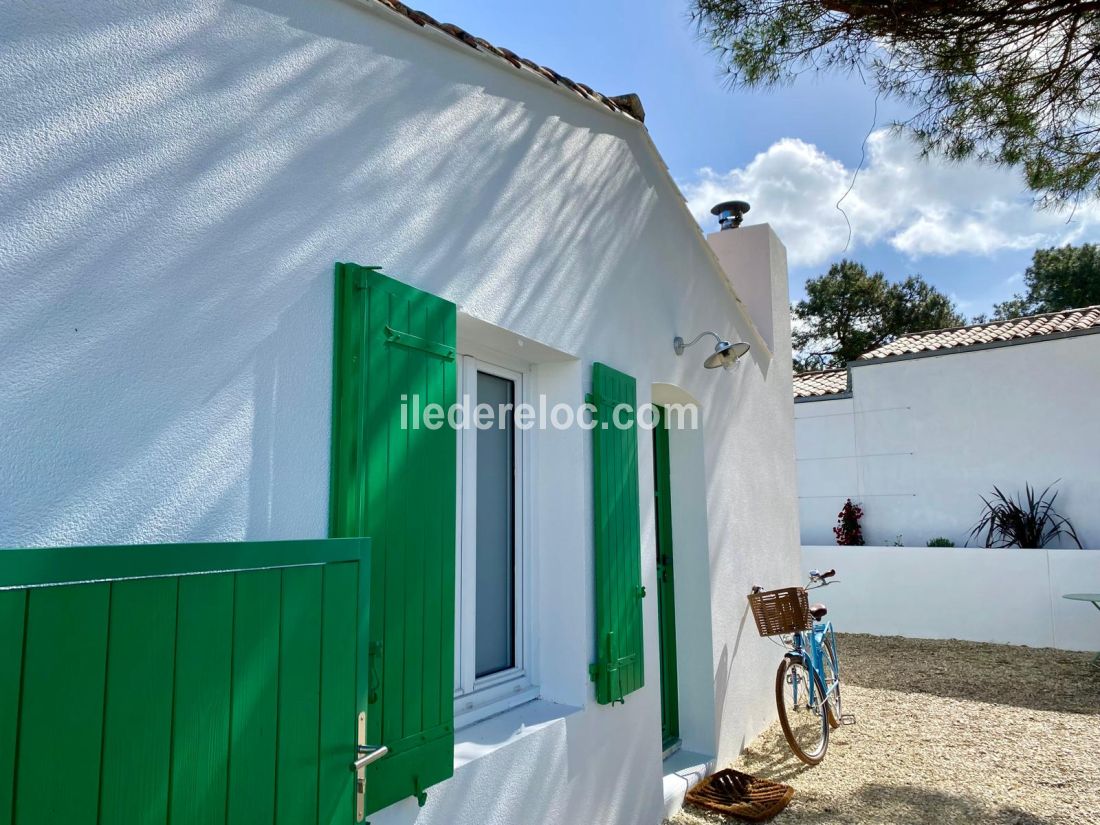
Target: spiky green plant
[[1028, 521]]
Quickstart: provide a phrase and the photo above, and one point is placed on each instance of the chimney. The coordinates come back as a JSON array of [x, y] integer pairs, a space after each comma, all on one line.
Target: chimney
[[730, 213], [755, 264]]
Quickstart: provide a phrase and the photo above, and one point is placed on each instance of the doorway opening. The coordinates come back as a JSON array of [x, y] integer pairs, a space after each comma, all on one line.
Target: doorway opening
[[666, 597]]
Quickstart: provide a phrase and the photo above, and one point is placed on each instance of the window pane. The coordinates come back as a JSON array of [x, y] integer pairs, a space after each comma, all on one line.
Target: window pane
[[495, 614]]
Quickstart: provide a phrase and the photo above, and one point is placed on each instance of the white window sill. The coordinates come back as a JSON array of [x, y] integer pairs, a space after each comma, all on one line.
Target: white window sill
[[486, 702], [489, 735]]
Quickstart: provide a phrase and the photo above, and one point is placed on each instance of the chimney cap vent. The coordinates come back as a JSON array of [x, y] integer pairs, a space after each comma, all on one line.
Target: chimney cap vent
[[730, 213]]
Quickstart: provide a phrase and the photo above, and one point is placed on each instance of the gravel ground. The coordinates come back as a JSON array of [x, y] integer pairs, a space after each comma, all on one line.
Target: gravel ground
[[947, 732]]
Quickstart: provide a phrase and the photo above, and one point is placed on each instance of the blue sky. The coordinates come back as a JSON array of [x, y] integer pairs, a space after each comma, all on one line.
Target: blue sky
[[791, 152]]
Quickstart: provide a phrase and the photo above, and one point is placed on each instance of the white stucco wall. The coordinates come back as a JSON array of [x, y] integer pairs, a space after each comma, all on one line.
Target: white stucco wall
[[1003, 596], [176, 182], [921, 439]]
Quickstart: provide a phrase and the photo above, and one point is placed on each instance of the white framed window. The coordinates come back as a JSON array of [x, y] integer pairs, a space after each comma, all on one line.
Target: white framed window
[[493, 643]]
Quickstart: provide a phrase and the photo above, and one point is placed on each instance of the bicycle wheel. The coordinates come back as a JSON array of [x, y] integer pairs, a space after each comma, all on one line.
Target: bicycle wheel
[[831, 672], [805, 723]]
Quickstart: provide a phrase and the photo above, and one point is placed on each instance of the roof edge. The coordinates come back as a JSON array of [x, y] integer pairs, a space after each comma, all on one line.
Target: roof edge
[[628, 105], [823, 396], [820, 372], [831, 396], [921, 333], [1011, 342]]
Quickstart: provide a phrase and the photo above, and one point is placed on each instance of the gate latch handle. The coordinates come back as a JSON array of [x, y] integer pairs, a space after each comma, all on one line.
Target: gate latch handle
[[364, 755], [368, 755]]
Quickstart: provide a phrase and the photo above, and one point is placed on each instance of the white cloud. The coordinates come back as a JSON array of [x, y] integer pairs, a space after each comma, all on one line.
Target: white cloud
[[920, 207]]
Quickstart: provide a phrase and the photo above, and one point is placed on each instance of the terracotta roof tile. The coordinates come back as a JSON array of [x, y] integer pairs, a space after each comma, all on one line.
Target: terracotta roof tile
[[1032, 326], [628, 105], [816, 384]]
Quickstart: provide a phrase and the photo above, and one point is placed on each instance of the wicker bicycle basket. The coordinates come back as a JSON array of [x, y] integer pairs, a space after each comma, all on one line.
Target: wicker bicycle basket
[[786, 610]]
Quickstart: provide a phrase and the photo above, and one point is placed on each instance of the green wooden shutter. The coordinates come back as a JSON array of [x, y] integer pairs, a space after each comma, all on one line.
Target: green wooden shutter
[[619, 667], [396, 484]]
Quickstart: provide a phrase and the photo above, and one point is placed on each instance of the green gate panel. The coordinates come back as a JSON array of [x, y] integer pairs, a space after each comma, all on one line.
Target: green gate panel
[[200, 717], [13, 608], [196, 683], [397, 484], [61, 716], [338, 702], [140, 665], [253, 715], [299, 697], [619, 667]]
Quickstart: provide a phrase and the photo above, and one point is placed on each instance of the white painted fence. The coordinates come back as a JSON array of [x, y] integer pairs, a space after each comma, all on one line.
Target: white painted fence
[[1007, 596]]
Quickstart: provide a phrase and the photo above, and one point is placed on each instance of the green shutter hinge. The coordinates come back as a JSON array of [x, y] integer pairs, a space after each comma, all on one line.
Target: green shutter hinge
[[366, 270], [407, 339], [641, 592]]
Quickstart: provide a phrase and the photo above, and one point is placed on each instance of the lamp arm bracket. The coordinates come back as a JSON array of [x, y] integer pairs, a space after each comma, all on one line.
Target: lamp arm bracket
[[679, 345]]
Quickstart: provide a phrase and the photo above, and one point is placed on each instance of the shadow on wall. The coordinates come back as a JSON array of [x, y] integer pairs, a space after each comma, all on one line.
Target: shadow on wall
[[538, 188], [171, 224], [724, 670]]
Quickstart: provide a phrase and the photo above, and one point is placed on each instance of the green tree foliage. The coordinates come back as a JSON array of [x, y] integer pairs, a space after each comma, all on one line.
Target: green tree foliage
[[848, 311], [1016, 82], [1059, 278]]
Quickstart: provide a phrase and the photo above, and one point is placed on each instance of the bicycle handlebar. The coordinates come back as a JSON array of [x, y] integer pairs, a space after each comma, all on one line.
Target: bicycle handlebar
[[818, 579], [815, 576]]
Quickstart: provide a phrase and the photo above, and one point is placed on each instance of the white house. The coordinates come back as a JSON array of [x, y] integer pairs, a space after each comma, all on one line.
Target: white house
[[236, 238], [918, 429]]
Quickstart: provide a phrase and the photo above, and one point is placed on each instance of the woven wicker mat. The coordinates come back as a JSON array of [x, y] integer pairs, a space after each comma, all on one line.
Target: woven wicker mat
[[737, 794]]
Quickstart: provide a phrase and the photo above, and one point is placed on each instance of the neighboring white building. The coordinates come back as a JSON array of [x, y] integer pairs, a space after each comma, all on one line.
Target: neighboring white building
[[179, 181], [917, 430]]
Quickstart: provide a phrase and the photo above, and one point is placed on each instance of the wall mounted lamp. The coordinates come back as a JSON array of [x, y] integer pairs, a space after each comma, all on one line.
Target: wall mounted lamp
[[725, 354]]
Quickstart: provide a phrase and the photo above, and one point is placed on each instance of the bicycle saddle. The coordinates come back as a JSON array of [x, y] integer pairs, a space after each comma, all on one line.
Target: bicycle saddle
[[818, 611]]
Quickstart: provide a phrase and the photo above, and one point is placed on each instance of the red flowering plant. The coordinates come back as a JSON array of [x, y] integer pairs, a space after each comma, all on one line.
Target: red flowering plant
[[847, 530]]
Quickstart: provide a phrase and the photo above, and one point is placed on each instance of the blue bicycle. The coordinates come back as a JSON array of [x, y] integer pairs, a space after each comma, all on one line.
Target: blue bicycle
[[807, 683]]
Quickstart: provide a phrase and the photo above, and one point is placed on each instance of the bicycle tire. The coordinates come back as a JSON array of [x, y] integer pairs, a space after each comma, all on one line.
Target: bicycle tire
[[833, 705], [814, 757]]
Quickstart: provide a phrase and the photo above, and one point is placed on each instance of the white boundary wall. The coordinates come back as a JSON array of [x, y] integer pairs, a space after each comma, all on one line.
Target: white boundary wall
[[921, 440], [931, 593]]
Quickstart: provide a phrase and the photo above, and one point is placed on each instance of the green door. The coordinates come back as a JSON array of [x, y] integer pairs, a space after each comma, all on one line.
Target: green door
[[187, 683], [666, 600]]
